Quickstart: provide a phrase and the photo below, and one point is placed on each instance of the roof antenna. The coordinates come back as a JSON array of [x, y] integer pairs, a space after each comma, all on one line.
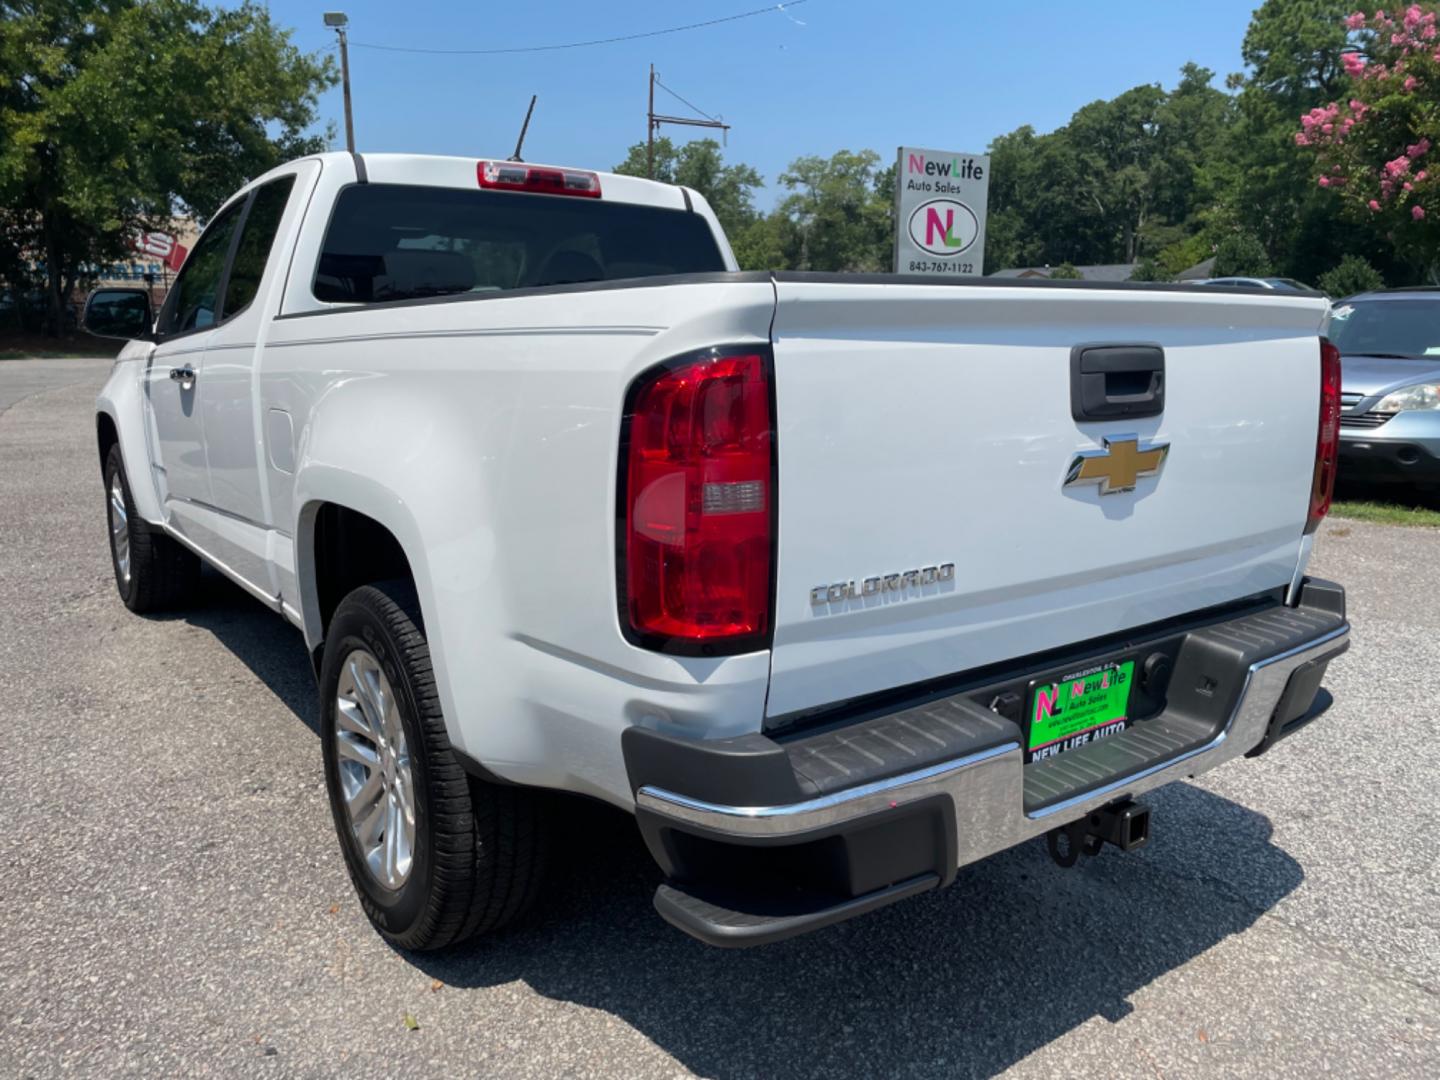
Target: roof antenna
[[523, 128]]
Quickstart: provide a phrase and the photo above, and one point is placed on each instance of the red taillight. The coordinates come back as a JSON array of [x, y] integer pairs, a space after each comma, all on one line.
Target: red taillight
[[1327, 441], [517, 176], [697, 505]]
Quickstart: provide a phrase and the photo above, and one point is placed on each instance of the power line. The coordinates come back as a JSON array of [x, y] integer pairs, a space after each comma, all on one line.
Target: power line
[[586, 44]]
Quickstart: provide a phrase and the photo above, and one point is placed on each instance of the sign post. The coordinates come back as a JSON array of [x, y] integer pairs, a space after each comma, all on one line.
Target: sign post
[[940, 201]]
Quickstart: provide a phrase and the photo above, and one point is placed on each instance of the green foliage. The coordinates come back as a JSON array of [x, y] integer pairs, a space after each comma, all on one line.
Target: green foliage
[[1353, 275], [837, 213], [1065, 272], [766, 244], [1294, 49], [1122, 179], [699, 165], [114, 115], [838, 216], [1169, 175], [1375, 151], [1183, 254], [1151, 269], [1242, 255]]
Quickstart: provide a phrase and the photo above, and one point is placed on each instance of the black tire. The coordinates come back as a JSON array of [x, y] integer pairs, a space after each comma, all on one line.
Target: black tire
[[480, 849], [163, 574]]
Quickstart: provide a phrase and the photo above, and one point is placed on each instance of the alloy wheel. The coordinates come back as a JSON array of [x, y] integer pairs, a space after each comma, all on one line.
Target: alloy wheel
[[373, 759], [119, 528]]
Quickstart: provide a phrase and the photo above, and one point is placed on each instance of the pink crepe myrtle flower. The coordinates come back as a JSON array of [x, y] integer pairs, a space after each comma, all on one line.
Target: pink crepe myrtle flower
[[1324, 181], [1420, 176], [1410, 83], [1418, 149], [1412, 16], [1356, 21], [1417, 212], [1374, 205], [1398, 167], [1353, 63]]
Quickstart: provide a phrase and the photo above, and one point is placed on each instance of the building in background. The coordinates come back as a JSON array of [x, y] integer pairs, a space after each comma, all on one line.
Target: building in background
[[157, 258]]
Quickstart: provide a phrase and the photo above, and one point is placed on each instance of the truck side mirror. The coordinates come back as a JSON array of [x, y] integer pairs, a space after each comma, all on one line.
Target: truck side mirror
[[119, 313]]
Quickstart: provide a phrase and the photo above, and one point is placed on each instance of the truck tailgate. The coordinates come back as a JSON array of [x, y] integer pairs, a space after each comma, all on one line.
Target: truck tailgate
[[924, 425]]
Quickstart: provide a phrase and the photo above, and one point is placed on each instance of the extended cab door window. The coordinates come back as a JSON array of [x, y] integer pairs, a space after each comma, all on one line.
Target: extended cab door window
[[194, 301], [257, 237]]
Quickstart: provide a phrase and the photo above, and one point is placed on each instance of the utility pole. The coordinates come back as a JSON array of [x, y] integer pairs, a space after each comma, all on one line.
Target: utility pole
[[654, 120], [339, 20]]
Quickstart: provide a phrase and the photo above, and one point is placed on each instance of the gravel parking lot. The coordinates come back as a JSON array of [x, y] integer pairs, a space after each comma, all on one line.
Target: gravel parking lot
[[173, 901]]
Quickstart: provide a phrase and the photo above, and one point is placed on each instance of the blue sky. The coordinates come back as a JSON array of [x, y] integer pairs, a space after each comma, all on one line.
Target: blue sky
[[825, 75]]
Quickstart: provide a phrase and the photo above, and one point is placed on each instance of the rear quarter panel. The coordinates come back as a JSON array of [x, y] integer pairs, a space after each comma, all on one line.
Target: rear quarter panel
[[484, 433]]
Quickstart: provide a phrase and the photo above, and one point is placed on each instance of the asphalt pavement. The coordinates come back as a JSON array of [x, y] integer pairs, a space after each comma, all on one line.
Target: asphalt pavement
[[173, 903]]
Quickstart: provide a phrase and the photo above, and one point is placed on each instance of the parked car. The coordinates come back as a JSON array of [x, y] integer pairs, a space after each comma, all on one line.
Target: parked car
[[1281, 284], [1390, 385], [836, 582]]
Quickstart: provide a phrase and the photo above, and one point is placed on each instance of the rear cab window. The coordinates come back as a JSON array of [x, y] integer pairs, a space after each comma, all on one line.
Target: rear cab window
[[403, 242]]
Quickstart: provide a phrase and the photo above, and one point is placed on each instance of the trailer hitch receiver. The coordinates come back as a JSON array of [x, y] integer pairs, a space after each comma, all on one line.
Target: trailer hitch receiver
[[1125, 824]]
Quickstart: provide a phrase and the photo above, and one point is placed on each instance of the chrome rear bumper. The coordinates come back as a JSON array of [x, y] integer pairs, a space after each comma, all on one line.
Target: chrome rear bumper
[[987, 788]]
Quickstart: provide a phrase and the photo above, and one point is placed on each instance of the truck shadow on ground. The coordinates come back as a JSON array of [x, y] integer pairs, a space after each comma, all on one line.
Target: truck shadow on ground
[[962, 982]]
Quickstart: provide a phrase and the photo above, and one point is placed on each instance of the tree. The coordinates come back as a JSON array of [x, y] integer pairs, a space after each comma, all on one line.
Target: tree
[[729, 189], [1353, 275], [837, 216], [768, 243], [114, 115], [1293, 49], [1151, 269], [1065, 272], [1123, 179], [1373, 148], [1242, 255]]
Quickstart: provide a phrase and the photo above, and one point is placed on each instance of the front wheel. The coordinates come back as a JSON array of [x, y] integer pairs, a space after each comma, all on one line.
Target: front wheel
[[435, 856], [152, 571]]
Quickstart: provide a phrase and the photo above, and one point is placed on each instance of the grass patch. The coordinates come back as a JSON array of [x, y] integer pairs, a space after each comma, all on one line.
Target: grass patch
[[1387, 513]]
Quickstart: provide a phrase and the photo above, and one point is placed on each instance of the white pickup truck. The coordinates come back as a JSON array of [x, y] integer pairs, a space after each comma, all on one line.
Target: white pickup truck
[[838, 583]]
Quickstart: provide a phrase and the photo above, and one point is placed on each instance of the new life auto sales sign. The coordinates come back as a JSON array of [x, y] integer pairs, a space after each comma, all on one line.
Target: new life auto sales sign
[[940, 199]]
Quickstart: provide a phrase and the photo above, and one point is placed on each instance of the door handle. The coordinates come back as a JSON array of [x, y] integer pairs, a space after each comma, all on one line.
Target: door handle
[[182, 374]]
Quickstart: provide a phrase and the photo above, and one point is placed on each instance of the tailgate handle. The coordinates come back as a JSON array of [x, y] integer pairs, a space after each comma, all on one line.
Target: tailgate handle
[[1116, 382]]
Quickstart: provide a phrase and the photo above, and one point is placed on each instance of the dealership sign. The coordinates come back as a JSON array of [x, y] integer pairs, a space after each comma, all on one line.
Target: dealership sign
[[162, 246], [940, 201]]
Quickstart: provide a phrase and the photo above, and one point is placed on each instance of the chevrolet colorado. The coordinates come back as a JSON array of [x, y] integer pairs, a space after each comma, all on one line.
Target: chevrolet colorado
[[837, 583]]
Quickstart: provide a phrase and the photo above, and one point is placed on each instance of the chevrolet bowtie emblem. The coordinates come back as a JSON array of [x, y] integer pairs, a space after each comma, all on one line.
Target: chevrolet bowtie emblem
[[1118, 466]]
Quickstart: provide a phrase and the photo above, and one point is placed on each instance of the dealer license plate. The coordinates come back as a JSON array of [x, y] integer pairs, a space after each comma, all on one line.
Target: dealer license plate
[[1078, 709]]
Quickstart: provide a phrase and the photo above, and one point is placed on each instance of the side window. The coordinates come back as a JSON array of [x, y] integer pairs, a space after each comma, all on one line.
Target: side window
[[256, 240], [194, 301]]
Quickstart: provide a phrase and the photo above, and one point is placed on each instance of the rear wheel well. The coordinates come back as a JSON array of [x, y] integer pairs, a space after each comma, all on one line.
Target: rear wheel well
[[352, 550], [107, 435]]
